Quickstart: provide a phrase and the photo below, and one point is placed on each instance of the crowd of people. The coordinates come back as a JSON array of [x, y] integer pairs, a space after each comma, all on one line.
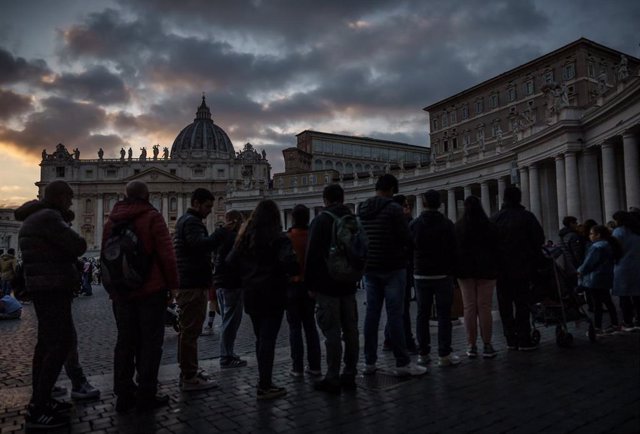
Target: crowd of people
[[311, 272]]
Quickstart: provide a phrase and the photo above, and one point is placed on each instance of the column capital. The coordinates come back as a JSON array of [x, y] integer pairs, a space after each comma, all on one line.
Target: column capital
[[607, 144], [523, 169], [559, 157], [629, 134]]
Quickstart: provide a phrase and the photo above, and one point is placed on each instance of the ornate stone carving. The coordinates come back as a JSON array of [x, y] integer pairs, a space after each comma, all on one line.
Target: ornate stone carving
[[100, 154], [156, 151], [623, 69]]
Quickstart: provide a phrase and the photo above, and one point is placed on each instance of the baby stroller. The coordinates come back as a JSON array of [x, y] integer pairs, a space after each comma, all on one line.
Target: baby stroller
[[171, 316], [556, 301]]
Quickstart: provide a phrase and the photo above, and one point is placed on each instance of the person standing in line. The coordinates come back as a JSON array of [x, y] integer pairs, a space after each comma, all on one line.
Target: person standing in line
[[266, 260], [574, 246], [336, 306], [477, 270], [386, 274], [434, 258], [50, 249], [194, 247], [521, 241], [300, 307], [228, 283], [626, 273], [139, 313], [596, 275], [8, 265]]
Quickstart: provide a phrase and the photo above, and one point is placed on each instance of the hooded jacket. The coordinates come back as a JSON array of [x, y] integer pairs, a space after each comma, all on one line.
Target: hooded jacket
[[434, 244], [388, 233], [50, 249], [597, 269], [7, 267], [150, 227]]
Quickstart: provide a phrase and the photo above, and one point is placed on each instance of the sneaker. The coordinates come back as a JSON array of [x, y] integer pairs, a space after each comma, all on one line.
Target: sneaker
[[348, 382], [627, 328], [472, 352], [151, 404], [328, 386], [235, 362], [370, 369], [44, 418], [611, 330], [410, 370], [59, 406], [296, 374], [512, 344], [424, 359], [449, 360], [58, 392], [86, 391], [488, 352], [528, 346], [313, 372], [271, 392], [200, 381], [208, 330]]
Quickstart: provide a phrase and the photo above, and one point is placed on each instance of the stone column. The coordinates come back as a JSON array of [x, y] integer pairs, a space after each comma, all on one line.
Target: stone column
[[502, 184], [99, 220], [573, 185], [534, 192], [467, 191], [592, 207], [484, 197], [610, 193], [524, 186], [419, 207], [179, 209], [165, 208], [631, 169], [561, 189], [282, 221], [451, 204]]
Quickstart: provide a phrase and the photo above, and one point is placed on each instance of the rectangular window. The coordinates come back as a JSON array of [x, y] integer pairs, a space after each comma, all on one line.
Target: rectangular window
[[435, 125], [493, 100], [453, 117], [512, 94], [60, 172], [111, 173], [569, 71], [445, 120], [172, 171], [198, 172], [88, 173], [304, 180], [220, 173], [591, 70], [479, 106], [136, 171], [465, 112], [494, 129], [528, 87], [548, 76], [454, 142]]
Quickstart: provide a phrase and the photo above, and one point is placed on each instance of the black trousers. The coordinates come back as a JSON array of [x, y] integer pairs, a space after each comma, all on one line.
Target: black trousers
[[630, 305], [55, 340], [601, 296], [138, 348], [266, 328], [513, 303]]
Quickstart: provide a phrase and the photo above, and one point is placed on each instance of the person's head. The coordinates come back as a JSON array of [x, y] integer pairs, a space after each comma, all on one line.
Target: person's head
[[431, 199], [473, 211], [333, 194], [587, 225], [300, 216], [627, 220], [570, 222], [387, 185], [512, 195], [58, 195], [402, 200], [137, 190], [599, 232], [202, 202], [233, 219], [262, 227], [11, 251]]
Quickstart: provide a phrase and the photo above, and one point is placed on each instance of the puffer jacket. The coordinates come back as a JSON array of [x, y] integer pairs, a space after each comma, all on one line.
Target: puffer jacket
[[150, 227], [388, 233], [597, 269], [7, 267], [478, 253], [194, 247], [573, 248], [434, 244], [224, 275], [50, 249]]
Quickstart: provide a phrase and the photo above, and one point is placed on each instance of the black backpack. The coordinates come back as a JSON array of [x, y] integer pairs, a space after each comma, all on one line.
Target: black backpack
[[123, 260], [348, 248]]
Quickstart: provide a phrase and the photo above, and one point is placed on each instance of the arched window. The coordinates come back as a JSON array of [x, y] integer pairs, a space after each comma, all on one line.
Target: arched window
[[88, 206], [348, 168], [317, 165], [358, 167], [173, 204], [328, 164], [339, 167]]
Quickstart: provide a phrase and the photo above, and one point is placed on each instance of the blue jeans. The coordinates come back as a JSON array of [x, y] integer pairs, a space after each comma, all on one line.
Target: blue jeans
[[386, 287], [6, 288], [442, 289], [230, 302]]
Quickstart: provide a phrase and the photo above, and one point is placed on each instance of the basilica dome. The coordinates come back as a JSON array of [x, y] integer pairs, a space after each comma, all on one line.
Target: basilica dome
[[202, 138]]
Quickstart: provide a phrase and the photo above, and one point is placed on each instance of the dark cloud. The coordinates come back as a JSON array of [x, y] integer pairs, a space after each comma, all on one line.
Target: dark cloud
[[17, 69], [96, 84], [13, 104]]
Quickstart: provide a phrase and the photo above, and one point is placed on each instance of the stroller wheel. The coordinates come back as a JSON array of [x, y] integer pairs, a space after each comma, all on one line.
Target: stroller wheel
[[535, 337], [591, 333]]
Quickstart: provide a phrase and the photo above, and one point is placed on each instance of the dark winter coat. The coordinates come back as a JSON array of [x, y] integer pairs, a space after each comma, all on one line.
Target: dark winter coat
[[316, 273], [265, 274], [50, 249], [597, 269], [521, 240], [573, 248], [151, 228], [478, 251], [194, 247], [434, 244], [225, 276], [388, 234]]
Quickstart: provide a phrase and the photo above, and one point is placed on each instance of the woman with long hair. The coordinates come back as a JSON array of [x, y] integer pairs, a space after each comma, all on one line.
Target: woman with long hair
[[477, 271], [626, 273], [264, 257]]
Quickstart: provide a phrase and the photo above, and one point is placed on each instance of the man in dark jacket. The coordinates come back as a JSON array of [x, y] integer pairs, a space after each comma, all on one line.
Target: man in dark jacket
[[434, 258], [139, 314], [521, 240], [385, 274], [573, 246], [194, 247], [50, 249], [228, 283], [337, 311]]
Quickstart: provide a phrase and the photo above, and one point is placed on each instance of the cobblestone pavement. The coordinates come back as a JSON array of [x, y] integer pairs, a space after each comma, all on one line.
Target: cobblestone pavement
[[589, 388]]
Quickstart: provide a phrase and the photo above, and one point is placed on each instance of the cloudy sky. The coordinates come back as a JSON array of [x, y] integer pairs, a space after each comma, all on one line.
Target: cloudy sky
[[117, 73]]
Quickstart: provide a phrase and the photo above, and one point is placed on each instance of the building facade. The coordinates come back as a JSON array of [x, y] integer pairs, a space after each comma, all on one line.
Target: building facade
[[9, 229]]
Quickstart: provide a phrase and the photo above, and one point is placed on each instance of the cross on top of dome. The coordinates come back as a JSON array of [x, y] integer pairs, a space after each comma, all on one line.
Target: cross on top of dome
[[203, 111]]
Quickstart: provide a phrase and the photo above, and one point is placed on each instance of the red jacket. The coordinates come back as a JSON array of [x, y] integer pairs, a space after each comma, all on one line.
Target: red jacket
[[152, 229], [298, 237]]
